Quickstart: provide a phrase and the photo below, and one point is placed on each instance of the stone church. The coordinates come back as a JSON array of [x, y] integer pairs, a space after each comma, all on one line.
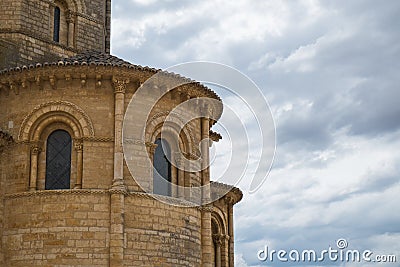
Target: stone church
[[79, 188]]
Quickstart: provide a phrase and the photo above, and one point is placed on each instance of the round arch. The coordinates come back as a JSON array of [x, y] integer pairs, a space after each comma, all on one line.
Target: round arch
[[217, 219], [155, 125], [55, 111], [77, 6]]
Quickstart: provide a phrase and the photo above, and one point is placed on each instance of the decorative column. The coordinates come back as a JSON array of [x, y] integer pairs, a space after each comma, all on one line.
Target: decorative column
[[225, 250], [174, 180], [205, 173], [151, 149], [119, 92], [230, 202], [117, 223], [79, 164], [35, 151], [71, 28], [217, 239], [187, 183], [179, 161], [118, 189], [206, 239]]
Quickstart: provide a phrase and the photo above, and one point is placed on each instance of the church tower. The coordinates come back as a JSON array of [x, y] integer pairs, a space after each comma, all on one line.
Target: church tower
[[33, 31], [82, 185]]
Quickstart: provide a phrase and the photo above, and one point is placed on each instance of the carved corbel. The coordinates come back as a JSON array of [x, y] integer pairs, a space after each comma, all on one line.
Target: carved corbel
[[38, 82], [52, 81], [14, 87], [229, 200], [98, 80], [24, 84], [67, 77], [83, 80]]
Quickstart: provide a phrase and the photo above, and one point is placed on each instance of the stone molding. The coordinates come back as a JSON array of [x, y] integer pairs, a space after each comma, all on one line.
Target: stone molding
[[55, 106]]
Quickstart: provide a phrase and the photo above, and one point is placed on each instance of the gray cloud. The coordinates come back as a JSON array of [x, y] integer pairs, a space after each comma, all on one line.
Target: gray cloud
[[330, 72]]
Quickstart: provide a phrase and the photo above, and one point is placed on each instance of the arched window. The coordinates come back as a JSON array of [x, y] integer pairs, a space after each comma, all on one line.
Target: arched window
[[162, 168], [56, 26], [58, 160]]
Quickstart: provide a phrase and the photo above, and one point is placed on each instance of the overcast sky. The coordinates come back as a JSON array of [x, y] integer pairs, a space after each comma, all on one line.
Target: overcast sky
[[330, 72]]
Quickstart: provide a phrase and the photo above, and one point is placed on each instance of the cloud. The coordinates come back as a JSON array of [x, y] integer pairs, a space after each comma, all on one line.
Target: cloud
[[329, 70]]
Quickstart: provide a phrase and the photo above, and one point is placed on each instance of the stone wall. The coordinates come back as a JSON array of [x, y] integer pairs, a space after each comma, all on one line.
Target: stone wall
[[3, 155], [26, 31], [51, 228], [98, 225], [96, 102], [159, 234]]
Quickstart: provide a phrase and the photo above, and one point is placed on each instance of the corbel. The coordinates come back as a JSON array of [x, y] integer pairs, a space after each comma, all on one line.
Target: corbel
[[52, 80], [98, 80], [67, 77], [14, 87], [83, 80], [38, 82]]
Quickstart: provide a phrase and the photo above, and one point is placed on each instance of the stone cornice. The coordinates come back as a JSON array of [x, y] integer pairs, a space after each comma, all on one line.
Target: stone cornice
[[65, 69], [215, 136], [166, 199], [56, 192], [233, 195], [18, 79]]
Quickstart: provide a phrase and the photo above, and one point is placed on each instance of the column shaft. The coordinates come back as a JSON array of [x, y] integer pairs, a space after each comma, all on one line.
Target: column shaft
[[79, 165], [34, 168]]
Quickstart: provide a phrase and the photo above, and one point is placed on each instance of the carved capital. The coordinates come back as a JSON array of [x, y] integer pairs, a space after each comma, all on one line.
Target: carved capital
[[70, 17], [78, 146], [206, 208], [119, 85], [151, 147], [229, 200], [225, 237], [35, 150], [218, 239]]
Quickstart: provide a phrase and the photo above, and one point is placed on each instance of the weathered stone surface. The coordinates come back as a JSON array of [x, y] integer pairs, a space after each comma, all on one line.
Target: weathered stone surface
[[105, 218]]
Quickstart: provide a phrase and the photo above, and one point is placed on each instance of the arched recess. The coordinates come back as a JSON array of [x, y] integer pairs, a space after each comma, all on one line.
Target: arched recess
[[181, 143], [83, 123], [220, 239], [186, 138], [40, 124], [63, 15]]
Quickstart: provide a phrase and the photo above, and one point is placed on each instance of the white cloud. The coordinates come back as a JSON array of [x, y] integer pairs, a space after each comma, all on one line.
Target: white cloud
[[329, 70]]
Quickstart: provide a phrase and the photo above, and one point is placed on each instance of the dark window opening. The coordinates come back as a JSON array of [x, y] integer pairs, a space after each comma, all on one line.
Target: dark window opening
[[162, 168], [58, 160], [56, 33]]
